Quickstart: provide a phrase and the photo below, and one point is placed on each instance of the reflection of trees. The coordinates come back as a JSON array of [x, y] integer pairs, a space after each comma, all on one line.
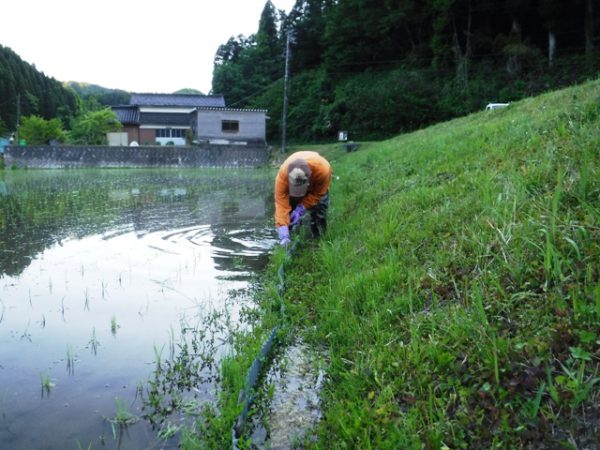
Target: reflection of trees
[[42, 208], [35, 217]]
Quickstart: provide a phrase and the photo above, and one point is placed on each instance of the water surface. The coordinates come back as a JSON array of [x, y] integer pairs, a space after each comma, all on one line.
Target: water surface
[[101, 272]]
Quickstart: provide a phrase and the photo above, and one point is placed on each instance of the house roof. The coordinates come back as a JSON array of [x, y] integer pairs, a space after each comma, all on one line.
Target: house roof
[[177, 100], [127, 114], [165, 119], [212, 108]]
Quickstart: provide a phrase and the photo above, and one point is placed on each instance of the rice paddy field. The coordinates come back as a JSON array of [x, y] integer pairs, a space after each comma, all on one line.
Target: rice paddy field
[[118, 291]]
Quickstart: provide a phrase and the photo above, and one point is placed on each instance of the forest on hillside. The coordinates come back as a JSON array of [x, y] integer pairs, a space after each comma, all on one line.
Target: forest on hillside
[[380, 67], [25, 91]]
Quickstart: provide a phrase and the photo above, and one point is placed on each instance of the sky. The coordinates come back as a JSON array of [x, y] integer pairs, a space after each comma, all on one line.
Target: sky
[[138, 46]]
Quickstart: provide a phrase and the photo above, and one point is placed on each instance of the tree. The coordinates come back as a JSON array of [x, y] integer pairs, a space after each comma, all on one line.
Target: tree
[[36, 130], [552, 13], [588, 24], [91, 128], [265, 59], [267, 40], [245, 66], [3, 128], [306, 22]]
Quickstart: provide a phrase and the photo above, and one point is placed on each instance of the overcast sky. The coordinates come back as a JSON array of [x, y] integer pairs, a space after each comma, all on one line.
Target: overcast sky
[[134, 45]]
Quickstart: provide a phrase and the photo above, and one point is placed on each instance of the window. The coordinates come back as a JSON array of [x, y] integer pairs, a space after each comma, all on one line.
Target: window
[[170, 132], [230, 126]]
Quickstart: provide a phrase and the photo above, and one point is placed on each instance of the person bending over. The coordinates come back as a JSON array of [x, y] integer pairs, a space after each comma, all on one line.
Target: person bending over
[[302, 184]]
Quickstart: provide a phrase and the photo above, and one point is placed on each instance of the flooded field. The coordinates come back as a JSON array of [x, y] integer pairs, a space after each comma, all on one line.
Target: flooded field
[[106, 276]]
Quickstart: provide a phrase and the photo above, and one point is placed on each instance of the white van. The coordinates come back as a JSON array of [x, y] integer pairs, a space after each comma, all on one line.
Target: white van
[[491, 106]]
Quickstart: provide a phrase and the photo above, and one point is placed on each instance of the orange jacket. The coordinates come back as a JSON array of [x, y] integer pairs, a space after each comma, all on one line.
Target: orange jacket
[[319, 182]]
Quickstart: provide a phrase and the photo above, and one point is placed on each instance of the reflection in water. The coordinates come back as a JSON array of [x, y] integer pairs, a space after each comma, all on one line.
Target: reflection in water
[[103, 274]]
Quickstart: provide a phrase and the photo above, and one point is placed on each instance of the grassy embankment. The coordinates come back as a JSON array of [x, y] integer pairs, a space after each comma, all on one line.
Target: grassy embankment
[[457, 289]]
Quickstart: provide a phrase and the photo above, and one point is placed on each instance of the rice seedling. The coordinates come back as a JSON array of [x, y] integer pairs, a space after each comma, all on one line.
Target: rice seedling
[[86, 303], [80, 447], [94, 343], [46, 383], [62, 308], [26, 334], [171, 342], [70, 361], [157, 357], [113, 325]]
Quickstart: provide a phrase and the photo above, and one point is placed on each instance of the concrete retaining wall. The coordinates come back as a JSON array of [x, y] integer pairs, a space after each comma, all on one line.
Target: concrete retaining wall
[[63, 157]]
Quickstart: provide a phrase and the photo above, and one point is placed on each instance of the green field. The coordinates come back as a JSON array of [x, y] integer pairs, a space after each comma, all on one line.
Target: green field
[[457, 289]]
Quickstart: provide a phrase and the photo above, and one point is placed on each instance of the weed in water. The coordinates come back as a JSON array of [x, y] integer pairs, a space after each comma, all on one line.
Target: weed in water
[[121, 420], [123, 416], [168, 430]]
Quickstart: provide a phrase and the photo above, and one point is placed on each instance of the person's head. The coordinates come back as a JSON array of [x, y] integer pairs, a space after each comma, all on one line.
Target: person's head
[[298, 177]]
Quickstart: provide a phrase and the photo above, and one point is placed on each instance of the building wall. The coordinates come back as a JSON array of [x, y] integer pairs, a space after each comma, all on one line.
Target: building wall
[[252, 124], [133, 133], [147, 136]]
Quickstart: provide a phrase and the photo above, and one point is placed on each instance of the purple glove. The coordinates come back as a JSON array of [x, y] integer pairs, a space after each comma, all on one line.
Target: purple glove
[[297, 214], [284, 235]]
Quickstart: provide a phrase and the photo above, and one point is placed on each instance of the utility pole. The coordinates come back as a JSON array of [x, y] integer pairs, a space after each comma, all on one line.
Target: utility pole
[[285, 92]]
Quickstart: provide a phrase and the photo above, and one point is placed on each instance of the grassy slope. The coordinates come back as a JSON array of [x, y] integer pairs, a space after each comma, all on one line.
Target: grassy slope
[[457, 289]]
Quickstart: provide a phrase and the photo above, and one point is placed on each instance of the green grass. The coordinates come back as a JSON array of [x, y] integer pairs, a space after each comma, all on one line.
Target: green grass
[[457, 289]]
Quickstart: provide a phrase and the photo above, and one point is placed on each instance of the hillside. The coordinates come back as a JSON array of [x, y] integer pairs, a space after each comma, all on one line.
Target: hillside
[[457, 291], [95, 96], [26, 91]]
